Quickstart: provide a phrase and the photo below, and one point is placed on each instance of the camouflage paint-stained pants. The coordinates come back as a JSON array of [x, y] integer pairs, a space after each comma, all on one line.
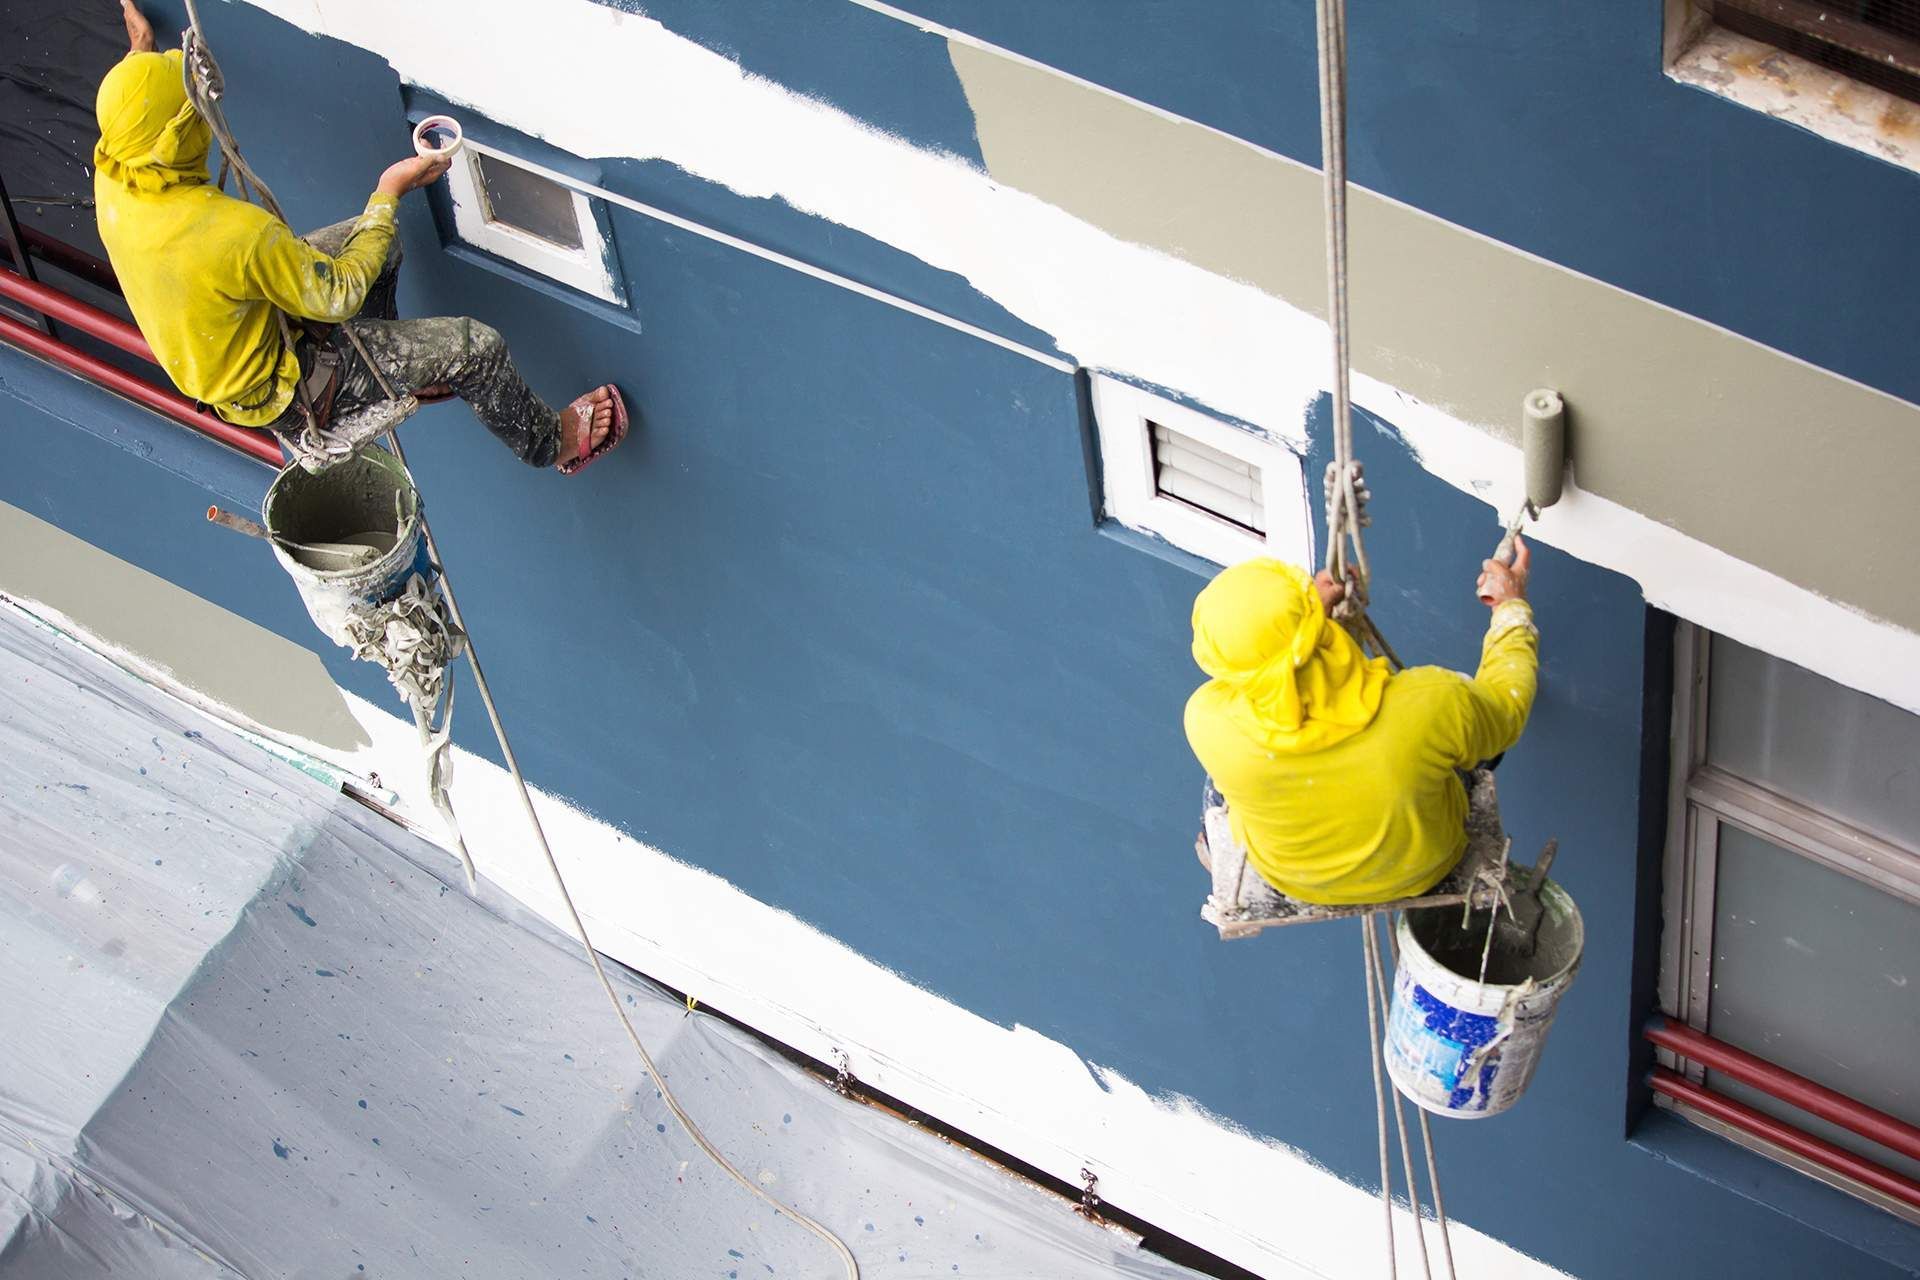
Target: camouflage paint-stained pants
[[467, 356]]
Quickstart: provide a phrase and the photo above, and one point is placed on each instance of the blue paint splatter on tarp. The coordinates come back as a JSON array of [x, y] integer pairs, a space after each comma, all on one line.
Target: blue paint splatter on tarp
[[301, 915], [323, 973], [279, 1150], [363, 1104], [517, 1111], [735, 1253]]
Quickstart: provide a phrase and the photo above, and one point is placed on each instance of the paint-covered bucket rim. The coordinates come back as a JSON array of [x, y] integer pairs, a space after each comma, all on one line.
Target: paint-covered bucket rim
[[292, 476], [1562, 911]]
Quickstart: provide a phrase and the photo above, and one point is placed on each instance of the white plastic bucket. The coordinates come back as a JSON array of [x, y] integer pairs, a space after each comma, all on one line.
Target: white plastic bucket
[[316, 522], [1460, 1047]]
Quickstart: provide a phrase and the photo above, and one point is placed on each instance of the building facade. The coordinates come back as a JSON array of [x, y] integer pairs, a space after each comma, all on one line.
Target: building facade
[[862, 663]]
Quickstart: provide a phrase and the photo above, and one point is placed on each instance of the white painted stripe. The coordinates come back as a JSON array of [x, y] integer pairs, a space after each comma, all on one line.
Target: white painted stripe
[[1165, 1158], [774, 256], [987, 46]]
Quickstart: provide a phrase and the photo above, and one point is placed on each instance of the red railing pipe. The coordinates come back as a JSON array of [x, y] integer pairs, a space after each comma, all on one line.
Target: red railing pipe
[[110, 329], [1784, 1135], [257, 444], [1890, 1132], [69, 259]]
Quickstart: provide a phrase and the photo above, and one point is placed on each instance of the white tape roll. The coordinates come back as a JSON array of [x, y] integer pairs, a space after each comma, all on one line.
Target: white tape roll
[[437, 138]]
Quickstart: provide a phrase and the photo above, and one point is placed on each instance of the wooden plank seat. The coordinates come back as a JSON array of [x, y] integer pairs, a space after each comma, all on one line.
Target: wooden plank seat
[[1242, 903]]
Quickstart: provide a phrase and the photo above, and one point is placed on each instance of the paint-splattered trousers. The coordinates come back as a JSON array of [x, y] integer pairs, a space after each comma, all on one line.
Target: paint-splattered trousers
[[462, 354]]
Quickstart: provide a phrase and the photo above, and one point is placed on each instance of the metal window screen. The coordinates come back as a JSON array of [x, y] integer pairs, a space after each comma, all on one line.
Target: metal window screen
[[1815, 741], [1200, 476], [1876, 42], [1819, 973], [525, 201]]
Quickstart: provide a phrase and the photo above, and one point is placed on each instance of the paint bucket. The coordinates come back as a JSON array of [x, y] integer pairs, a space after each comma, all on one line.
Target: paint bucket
[[1460, 1047], [349, 535]]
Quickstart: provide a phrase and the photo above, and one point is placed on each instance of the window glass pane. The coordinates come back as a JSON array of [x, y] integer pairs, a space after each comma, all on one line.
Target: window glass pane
[[1856, 757], [528, 202], [1819, 973]]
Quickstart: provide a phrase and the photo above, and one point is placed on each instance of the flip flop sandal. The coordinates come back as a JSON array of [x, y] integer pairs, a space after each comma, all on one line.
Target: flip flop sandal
[[615, 434]]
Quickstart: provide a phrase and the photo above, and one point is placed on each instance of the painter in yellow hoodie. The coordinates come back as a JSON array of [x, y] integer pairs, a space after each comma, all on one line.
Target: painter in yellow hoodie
[[201, 271], [1340, 777], [205, 274]]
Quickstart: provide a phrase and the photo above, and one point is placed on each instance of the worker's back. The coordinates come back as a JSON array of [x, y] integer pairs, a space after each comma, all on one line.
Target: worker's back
[[204, 273], [1363, 801], [182, 256]]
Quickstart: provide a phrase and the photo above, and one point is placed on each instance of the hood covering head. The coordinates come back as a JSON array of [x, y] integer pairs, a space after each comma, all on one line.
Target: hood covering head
[[151, 138], [1297, 680]]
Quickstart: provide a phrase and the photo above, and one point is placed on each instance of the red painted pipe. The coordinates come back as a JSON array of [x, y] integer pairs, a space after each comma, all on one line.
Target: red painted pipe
[[1890, 1132], [69, 259], [1781, 1134], [257, 444], [110, 329]]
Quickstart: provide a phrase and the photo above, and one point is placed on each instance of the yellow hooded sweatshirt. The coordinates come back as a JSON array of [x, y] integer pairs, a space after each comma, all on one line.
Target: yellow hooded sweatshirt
[[1339, 776], [203, 272]]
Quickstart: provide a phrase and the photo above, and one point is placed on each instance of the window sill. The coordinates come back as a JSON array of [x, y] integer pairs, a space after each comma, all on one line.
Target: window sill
[[620, 316], [1675, 1141], [1790, 88], [1157, 547]]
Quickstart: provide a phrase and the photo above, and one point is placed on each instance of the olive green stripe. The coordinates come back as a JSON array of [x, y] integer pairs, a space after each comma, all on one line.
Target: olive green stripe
[[1740, 446]]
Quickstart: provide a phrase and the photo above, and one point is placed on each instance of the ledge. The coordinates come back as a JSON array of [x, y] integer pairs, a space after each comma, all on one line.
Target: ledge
[[1800, 92], [1851, 1223]]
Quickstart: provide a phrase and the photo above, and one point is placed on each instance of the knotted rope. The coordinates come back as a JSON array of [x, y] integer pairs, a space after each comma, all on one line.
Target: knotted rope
[[1346, 560], [415, 638]]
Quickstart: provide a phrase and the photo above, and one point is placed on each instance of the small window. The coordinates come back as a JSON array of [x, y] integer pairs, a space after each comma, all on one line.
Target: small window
[[1793, 896], [516, 211], [1223, 492], [1848, 70]]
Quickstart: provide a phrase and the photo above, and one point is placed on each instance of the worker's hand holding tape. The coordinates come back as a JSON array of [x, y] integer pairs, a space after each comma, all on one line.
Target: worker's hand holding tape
[[410, 174]]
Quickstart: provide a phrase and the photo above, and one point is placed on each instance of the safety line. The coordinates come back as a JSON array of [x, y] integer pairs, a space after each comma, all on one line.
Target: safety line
[[805, 268], [205, 87]]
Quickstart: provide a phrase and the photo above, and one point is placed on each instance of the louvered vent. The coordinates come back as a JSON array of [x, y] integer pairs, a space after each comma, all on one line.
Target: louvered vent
[[1214, 482]]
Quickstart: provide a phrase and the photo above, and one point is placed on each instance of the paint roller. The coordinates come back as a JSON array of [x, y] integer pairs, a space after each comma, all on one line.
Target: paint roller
[[1543, 442]]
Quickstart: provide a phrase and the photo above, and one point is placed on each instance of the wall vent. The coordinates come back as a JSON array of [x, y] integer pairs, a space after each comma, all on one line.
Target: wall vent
[[1222, 486], [1222, 491]]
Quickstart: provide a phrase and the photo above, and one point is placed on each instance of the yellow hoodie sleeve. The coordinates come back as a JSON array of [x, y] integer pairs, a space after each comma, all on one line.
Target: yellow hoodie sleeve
[[302, 281], [1495, 703]]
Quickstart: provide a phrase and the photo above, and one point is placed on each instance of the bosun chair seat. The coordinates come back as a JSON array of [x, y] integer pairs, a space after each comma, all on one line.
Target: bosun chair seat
[[1243, 903]]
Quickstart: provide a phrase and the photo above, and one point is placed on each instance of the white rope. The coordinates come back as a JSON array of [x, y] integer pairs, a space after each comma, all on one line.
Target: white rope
[[1379, 1090], [686, 1122], [1426, 1144], [1376, 976], [203, 81]]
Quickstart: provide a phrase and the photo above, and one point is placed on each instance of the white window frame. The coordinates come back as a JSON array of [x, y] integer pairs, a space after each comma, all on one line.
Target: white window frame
[[1123, 417], [1703, 798], [1700, 53], [586, 268]]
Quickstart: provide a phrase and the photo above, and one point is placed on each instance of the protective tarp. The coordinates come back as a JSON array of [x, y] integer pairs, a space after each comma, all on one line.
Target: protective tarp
[[52, 56], [251, 1028]]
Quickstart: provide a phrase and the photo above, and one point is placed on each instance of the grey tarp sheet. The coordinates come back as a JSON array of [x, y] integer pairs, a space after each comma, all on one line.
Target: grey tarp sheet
[[248, 1027]]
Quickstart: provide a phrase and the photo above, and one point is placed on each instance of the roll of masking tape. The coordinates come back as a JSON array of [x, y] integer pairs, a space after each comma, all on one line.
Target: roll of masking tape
[[437, 138]]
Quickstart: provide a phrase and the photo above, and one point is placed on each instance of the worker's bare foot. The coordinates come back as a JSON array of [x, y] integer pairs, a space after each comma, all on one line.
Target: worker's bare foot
[[593, 412]]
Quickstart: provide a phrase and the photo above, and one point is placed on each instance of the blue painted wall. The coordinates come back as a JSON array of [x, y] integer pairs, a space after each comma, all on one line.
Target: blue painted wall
[[837, 625]]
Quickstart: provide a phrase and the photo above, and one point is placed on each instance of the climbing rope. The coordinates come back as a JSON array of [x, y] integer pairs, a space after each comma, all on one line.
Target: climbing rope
[[1346, 490], [205, 88], [1346, 559]]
